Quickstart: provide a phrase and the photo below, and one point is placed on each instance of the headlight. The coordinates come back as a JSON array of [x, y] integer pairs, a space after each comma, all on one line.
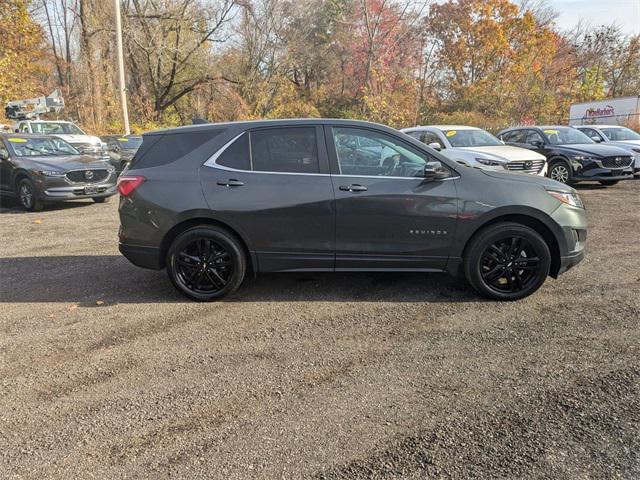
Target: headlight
[[491, 163], [580, 158], [51, 173], [572, 199]]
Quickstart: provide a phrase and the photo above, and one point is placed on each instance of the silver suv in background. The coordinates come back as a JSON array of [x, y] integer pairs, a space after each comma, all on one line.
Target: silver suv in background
[[69, 132], [616, 136], [475, 147]]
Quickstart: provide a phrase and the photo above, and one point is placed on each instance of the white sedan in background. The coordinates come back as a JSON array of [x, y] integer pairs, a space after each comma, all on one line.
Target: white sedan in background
[[617, 136], [475, 147]]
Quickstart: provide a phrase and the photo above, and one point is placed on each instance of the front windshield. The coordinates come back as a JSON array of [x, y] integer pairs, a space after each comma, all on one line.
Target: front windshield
[[130, 143], [38, 146], [52, 128], [620, 134], [471, 138], [565, 136]]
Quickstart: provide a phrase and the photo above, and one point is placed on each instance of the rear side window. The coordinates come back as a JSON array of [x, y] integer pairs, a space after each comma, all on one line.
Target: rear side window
[[159, 150], [290, 150], [237, 155]]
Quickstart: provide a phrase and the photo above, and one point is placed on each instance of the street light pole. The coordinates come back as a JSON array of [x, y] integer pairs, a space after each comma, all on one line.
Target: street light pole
[[123, 88]]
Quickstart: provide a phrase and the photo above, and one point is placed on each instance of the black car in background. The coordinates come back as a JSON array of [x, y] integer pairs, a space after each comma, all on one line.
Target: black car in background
[[121, 149], [572, 156], [39, 169], [213, 202]]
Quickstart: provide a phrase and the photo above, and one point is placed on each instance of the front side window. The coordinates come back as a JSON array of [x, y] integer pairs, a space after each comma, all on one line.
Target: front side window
[[287, 150], [533, 137], [516, 136], [364, 152]]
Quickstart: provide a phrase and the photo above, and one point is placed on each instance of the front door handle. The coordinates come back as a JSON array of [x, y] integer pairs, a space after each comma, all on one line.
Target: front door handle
[[232, 182], [353, 188]]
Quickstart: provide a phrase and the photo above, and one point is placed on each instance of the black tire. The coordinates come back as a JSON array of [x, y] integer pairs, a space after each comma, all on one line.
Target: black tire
[[206, 263], [100, 199], [27, 196], [493, 255], [608, 183], [560, 171]]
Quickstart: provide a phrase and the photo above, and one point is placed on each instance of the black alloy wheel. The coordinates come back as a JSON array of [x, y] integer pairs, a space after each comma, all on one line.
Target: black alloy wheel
[[560, 172], [28, 196], [507, 261], [206, 263]]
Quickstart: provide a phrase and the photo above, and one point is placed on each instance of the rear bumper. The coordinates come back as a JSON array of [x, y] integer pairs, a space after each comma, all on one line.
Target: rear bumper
[[142, 256]]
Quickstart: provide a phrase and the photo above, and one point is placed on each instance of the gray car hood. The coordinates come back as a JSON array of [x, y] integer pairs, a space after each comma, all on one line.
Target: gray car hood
[[544, 182], [68, 162]]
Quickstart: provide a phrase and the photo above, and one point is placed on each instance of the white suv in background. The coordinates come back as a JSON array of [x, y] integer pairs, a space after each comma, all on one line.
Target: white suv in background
[[475, 147], [70, 133], [617, 136]]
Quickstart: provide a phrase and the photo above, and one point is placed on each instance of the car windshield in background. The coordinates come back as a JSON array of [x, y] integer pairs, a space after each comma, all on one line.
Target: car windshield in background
[[51, 128], [620, 133], [130, 143], [471, 138], [39, 146], [565, 136]]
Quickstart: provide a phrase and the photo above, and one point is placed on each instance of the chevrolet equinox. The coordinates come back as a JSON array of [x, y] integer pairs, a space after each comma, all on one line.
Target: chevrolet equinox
[[211, 203]]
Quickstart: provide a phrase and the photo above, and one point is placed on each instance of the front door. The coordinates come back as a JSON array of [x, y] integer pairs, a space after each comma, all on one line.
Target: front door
[[273, 185], [388, 216]]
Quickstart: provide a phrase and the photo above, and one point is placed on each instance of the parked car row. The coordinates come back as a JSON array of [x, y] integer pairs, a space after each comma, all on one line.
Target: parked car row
[[562, 153]]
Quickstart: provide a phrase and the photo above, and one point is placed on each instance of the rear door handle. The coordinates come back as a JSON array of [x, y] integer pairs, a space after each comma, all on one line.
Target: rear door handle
[[353, 188], [232, 182]]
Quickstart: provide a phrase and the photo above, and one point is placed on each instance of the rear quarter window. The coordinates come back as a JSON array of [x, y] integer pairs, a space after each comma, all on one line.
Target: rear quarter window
[[159, 150], [237, 155]]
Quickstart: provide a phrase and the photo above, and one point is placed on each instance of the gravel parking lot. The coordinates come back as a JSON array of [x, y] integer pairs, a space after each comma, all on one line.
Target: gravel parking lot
[[106, 372]]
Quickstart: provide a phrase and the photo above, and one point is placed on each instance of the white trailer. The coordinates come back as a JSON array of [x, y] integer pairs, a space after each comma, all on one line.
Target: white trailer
[[618, 111]]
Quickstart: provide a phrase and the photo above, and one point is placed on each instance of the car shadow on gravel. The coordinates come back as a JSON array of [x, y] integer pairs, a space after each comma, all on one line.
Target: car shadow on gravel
[[10, 205], [103, 280]]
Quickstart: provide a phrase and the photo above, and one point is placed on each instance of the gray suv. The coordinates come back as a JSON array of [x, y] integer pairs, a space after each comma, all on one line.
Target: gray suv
[[214, 202]]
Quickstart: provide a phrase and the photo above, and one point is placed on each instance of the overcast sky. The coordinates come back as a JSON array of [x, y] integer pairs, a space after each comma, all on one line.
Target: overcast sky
[[625, 13]]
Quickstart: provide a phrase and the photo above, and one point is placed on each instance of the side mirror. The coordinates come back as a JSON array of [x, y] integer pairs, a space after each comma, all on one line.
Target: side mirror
[[596, 139], [434, 171], [4, 156], [536, 144], [436, 146]]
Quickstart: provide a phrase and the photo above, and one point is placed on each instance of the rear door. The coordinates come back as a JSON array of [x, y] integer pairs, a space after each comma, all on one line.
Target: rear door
[[273, 185], [387, 215]]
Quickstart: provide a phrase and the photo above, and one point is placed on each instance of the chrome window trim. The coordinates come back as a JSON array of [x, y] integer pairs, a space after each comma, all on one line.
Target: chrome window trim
[[211, 162]]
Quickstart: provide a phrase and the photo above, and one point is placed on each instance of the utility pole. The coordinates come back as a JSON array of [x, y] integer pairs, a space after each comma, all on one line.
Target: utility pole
[[123, 88]]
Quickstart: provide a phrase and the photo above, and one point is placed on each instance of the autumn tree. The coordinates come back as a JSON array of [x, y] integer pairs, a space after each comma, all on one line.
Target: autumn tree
[[23, 69]]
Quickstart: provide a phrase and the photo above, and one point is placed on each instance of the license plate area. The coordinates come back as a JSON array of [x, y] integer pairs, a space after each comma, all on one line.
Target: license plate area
[[90, 190]]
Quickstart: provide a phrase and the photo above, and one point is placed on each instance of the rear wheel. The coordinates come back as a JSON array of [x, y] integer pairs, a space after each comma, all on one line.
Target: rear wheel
[[560, 171], [507, 261], [608, 183], [28, 196], [206, 263]]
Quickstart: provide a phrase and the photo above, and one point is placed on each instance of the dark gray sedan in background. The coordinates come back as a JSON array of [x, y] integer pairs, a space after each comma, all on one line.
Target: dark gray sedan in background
[[38, 169], [213, 202]]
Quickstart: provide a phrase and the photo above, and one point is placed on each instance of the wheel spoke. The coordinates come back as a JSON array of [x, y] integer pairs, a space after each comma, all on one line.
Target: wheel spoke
[[217, 276], [187, 260], [494, 273]]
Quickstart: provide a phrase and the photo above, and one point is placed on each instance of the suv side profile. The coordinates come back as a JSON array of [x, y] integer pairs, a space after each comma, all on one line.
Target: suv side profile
[[212, 202]]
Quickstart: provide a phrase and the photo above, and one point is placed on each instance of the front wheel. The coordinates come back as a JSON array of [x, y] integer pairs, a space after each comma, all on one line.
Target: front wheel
[[28, 196], [608, 183], [560, 171], [507, 261], [206, 263]]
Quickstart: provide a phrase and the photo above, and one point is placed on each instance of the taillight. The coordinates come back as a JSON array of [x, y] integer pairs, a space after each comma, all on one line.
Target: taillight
[[128, 183]]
